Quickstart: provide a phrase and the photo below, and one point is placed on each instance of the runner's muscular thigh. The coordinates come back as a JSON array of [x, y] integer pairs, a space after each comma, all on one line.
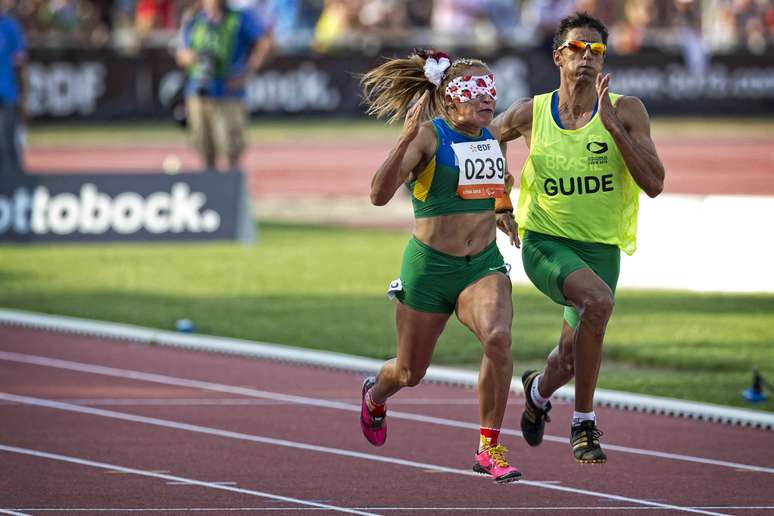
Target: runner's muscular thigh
[[486, 305], [459, 234]]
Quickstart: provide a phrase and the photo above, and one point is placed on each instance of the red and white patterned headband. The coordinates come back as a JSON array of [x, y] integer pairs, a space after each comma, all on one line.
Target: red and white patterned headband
[[467, 87]]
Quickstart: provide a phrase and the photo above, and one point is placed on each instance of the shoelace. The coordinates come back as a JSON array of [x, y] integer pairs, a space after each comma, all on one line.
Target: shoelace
[[536, 414], [592, 434], [496, 454]]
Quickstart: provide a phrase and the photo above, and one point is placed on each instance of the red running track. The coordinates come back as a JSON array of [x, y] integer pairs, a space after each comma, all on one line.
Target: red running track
[[328, 170], [169, 430]]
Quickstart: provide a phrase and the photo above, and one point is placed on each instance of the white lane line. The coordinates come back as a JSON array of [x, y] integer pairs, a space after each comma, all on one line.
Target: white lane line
[[9, 511], [214, 483], [351, 363], [246, 401], [580, 508], [322, 449], [398, 509], [191, 481], [301, 400]]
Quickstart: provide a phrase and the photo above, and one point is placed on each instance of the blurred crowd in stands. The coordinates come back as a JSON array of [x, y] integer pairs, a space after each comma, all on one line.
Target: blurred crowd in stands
[[698, 26]]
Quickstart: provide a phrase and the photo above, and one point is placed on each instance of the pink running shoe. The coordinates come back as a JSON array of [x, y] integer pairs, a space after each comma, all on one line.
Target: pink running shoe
[[374, 427], [491, 461]]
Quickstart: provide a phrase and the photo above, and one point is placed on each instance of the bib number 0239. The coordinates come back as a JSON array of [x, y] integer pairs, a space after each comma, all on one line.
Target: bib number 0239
[[482, 169]]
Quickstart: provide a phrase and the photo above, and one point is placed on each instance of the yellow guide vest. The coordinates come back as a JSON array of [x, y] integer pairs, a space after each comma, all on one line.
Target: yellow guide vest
[[575, 183]]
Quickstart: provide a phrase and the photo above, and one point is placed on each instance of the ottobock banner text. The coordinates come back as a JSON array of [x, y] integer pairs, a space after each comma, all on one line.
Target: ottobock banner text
[[125, 207]]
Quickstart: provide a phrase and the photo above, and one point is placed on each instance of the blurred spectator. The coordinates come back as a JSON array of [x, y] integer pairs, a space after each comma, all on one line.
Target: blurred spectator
[[384, 20], [607, 11], [66, 22], [219, 48], [292, 22], [62, 15], [687, 22], [339, 24], [154, 14], [419, 13], [720, 25], [505, 16], [627, 36], [770, 22], [104, 14], [462, 23], [545, 16], [13, 56], [750, 24], [720, 30]]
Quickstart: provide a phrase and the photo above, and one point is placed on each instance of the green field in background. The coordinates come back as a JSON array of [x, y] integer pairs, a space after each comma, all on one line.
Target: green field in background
[[166, 132], [340, 131], [323, 288]]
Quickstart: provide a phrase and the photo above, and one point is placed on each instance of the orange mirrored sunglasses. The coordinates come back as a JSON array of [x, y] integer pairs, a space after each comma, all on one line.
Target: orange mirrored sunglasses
[[581, 46]]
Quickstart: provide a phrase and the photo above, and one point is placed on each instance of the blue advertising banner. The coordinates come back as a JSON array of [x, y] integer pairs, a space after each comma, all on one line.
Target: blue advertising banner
[[103, 85], [126, 207]]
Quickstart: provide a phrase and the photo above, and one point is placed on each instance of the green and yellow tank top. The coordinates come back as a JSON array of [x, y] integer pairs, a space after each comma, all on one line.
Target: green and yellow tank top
[[575, 183], [434, 191], [216, 39]]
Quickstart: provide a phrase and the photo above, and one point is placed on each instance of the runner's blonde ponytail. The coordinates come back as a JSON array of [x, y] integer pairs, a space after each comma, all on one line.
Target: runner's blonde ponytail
[[389, 89]]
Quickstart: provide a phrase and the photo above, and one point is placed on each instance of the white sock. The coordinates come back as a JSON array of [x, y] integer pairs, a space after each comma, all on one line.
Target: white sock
[[539, 400], [580, 417]]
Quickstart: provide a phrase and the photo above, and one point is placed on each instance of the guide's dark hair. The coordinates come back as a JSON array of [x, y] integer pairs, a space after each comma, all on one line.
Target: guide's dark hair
[[575, 21]]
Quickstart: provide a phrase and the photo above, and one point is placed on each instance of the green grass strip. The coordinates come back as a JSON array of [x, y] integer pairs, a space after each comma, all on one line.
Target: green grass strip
[[338, 131], [323, 288]]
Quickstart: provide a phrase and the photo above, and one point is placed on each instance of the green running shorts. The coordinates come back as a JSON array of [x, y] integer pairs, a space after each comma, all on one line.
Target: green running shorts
[[548, 260], [431, 281]]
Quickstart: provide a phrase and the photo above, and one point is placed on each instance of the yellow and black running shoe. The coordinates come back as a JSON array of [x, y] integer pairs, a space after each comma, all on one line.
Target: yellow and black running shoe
[[533, 419], [584, 440]]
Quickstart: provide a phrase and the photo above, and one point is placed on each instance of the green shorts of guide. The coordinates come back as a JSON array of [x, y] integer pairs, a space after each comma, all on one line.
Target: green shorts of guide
[[548, 260], [431, 281]]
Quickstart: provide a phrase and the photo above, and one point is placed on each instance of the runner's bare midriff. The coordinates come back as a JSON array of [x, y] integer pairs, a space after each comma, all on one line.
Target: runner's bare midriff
[[460, 234]]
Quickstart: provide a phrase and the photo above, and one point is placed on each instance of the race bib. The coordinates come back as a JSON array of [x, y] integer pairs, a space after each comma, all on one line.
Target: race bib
[[482, 169]]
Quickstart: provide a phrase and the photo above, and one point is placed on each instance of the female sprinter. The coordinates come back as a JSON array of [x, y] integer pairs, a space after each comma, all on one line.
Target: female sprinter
[[455, 171]]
